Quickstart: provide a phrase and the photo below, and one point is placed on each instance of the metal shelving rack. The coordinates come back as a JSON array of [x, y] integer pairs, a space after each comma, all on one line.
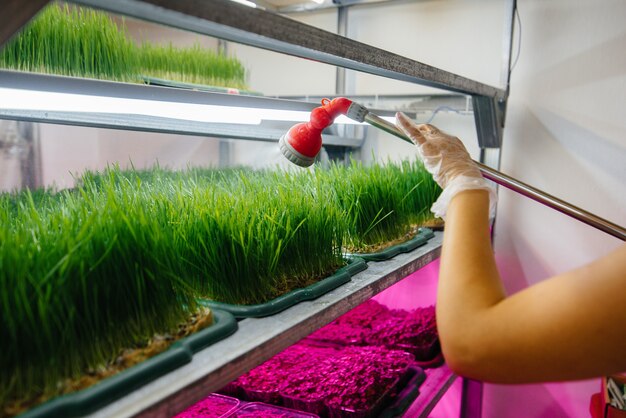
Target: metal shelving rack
[[234, 22], [259, 339]]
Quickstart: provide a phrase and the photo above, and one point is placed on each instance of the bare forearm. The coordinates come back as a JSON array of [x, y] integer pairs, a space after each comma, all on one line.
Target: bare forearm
[[554, 330], [469, 283]]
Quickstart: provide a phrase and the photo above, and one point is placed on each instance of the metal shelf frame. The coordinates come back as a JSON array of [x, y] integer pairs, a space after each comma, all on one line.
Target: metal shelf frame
[[258, 339], [234, 22]]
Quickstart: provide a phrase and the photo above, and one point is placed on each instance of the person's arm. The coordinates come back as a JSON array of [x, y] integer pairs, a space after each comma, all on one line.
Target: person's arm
[[571, 326]]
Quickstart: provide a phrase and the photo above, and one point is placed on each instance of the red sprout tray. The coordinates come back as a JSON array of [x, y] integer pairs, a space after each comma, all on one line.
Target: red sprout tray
[[368, 409], [313, 406], [354, 327], [372, 323], [393, 400], [260, 410], [330, 381], [213, 406], [414, 331]]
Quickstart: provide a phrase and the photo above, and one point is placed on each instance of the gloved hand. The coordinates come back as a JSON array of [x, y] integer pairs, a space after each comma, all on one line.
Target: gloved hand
[[446, 158]]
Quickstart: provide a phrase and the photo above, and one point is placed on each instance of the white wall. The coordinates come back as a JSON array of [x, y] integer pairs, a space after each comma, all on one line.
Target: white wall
[[275, 74], [457, 36], [566, 134], [12, 151], [439, 33], [67, 151], [141, 31]]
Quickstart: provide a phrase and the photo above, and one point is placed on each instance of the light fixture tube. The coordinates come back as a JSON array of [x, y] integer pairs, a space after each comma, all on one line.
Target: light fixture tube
[[19, 99]]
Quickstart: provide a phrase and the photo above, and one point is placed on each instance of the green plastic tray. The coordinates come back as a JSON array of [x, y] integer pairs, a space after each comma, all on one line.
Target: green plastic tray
[[91, 399], [422, 237], [341, 276]]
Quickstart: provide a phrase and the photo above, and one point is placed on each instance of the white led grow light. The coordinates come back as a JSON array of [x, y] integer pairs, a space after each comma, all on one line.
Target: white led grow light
[[44, 101]]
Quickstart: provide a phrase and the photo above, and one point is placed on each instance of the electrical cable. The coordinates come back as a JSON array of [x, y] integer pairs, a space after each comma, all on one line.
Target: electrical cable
[[439, 109], [519, 38]]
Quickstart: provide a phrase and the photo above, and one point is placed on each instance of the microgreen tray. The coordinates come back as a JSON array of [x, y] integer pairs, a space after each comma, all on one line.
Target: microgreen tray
[[341, 276], [392, 402], [422, 237], [90, 399]]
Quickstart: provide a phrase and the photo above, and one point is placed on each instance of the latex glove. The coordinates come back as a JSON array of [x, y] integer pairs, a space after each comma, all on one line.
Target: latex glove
[[445, 157]]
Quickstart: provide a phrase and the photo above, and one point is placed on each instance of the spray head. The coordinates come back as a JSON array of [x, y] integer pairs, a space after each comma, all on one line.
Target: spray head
[[303, 141]]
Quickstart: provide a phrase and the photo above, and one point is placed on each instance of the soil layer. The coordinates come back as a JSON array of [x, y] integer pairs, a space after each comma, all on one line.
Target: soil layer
[[126, 359], [374, 248]]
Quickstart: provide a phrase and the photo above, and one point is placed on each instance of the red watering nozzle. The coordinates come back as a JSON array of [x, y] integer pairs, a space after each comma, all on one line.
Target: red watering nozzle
[[303, 141]]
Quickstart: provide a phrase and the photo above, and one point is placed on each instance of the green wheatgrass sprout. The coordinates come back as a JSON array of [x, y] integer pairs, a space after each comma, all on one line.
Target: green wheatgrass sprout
[[72, 41], [276, 225], [82, 279], [244, 236], [383, 202], [80, 42], [250, 237], [191, 65], [89, 271]]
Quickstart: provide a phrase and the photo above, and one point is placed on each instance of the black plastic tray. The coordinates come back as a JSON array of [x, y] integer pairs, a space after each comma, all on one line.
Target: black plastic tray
[[341, 276], [90, 399], [422, 237], [408, 394], [436, 361]]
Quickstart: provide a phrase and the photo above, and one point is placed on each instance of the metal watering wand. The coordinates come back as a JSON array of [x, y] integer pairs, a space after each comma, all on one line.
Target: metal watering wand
[[303, 142]]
